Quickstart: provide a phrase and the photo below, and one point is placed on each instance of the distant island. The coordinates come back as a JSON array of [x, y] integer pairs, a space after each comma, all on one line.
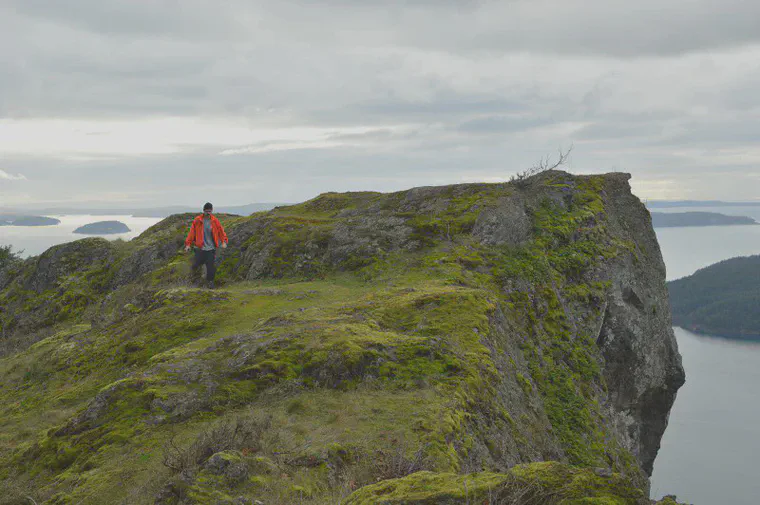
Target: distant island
[[103, 228], [23, 220], [219, 208], [722, 299], [663, 204], [675, 219], [241, 210]]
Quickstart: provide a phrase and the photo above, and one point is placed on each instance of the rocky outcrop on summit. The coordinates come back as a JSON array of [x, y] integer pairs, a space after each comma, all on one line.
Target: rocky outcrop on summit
[[642, 367], [469, 330], [62, 261], [41, 290]]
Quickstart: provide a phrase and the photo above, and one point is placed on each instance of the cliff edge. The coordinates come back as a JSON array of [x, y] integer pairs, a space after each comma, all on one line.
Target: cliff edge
[[498, 341]]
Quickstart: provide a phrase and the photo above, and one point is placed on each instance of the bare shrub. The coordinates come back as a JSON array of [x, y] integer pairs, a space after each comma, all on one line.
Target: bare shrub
[[518, 492], [544, 165], [14, 494], [401, 460], [238, 434], [348, 467]]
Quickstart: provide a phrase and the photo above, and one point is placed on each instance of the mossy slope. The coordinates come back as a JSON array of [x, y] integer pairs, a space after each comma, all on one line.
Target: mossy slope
[[356, 337], [548, 483]]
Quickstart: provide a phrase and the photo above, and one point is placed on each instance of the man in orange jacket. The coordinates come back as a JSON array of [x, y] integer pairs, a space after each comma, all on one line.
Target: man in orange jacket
[[206, 233]]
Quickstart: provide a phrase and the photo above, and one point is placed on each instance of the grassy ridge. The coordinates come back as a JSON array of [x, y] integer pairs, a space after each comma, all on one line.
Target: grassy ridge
[[334, 356]]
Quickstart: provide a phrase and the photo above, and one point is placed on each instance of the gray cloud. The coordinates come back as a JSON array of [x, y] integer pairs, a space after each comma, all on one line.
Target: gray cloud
[[189, 18], [11, 177], [402, 92], [503, 124]]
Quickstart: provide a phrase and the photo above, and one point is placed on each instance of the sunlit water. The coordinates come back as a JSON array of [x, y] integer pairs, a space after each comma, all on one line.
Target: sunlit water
[[35, 240], [711, 448]]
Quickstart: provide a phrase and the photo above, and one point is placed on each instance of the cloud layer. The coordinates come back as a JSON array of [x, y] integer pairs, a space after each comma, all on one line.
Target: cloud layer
[[169, 102], [11, 177]]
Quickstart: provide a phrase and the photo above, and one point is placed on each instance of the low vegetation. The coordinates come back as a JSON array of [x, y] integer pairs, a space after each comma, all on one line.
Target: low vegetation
[[363, 348], [8, 256]]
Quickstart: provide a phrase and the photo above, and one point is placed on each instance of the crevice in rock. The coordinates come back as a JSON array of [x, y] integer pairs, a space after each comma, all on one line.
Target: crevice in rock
[[631, 298]]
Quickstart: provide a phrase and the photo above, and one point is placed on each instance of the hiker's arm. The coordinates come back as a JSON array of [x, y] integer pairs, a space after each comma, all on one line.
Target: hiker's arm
[[224, 236], [190, 237]]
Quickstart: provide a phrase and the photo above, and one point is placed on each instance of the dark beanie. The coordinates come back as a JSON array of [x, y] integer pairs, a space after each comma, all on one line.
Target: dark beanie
[[207, 205]]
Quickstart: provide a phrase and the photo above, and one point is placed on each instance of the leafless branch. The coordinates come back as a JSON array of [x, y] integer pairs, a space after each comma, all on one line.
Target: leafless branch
[[543, 165]]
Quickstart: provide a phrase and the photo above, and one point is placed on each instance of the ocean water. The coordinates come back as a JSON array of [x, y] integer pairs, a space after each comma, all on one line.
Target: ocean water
[[710, 449], [686, 250], [34, 240]]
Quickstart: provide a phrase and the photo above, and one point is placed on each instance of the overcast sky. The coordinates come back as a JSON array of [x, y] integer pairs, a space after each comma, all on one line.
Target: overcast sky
[[160, 102]]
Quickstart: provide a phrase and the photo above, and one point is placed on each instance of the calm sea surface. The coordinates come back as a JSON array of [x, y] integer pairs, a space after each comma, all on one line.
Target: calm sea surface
[[35, 240], [710, 450]]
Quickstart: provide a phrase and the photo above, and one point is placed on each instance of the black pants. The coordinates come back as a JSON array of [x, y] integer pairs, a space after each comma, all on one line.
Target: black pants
[[205, 258]]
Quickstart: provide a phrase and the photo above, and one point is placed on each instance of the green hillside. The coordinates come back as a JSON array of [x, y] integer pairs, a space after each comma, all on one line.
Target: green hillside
[[411, 347], [722, 299]]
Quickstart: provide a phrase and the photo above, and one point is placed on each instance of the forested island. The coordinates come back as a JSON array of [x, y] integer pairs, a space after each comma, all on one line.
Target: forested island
[[21, 220], [669, 204], [722, 299], [103, 228], [675, 219]]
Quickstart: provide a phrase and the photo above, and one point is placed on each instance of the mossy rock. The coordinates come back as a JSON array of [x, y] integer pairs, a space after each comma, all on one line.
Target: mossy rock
[[429, 488], [548, 483], [669, 500]]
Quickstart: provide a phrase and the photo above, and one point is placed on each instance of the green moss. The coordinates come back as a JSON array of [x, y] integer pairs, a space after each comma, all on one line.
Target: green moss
[[227, 268], [525, 384], [668, 500], [458, 213], [606, 500], [549, 483], [205, 489], [429, 488], [291, 239], [327, 205]]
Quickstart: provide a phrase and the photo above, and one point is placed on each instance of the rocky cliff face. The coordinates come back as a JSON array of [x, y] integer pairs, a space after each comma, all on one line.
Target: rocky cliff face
[[357, 337], [642, 365]]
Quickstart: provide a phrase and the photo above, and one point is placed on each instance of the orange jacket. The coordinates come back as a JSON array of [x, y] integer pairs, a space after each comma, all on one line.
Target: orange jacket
[[196, 232]]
